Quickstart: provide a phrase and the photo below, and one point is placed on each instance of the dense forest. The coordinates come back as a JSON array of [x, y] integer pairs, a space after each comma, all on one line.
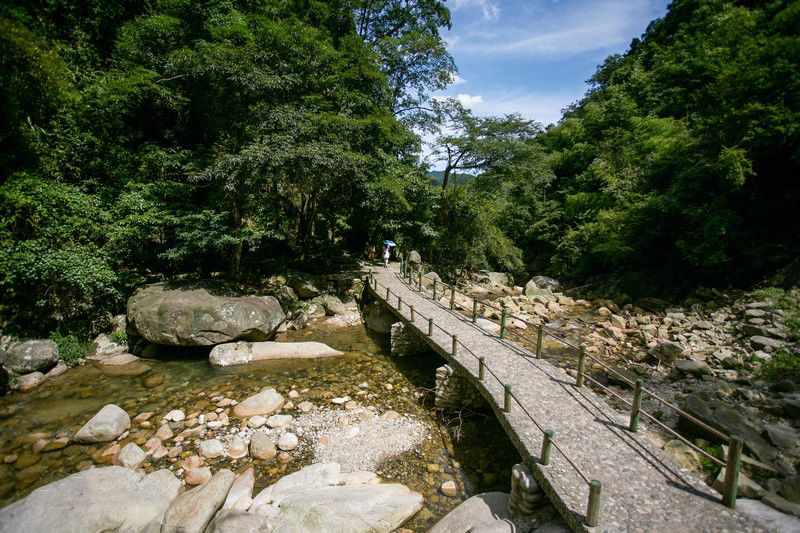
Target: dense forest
[[153, 138]]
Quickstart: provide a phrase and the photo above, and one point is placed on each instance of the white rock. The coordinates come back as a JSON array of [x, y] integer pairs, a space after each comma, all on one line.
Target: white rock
[[340, 401], [257, 421], [239, 353], [108, 424], [176, 415], [476, 512], [110, 498], [198, 476], [130, 456], [210, 448], [264, 403], [288, 442], [276, 421]]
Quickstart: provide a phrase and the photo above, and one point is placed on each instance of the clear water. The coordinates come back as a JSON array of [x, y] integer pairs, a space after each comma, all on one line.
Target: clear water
[[479, 460]]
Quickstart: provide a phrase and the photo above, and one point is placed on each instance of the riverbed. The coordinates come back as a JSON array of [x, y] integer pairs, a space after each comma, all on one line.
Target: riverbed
[[470, 449]]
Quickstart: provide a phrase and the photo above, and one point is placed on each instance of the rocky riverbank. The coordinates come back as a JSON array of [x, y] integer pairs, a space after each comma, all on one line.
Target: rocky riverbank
[[713, 357]]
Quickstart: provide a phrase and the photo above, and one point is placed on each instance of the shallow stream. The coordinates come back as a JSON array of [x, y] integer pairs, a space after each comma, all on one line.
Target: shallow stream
[[479, 460]]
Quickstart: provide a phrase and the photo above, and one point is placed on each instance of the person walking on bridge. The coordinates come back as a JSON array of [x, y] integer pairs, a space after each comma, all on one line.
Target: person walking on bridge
[[387, 252]]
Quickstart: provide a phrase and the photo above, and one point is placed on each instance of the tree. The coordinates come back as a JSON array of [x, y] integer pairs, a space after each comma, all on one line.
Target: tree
[[405, 36], [469, 143]]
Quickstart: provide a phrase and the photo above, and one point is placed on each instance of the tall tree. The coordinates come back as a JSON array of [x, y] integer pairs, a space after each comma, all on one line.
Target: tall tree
[[470, 143]]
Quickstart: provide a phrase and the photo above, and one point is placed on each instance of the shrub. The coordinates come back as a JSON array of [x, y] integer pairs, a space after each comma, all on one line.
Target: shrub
[[70, 347]]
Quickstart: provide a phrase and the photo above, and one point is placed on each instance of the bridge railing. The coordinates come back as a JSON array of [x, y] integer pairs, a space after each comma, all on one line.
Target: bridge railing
[[414, 279], [548, 435]]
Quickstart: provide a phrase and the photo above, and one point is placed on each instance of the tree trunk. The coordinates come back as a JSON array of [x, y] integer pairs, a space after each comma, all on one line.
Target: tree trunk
[[236, 252]]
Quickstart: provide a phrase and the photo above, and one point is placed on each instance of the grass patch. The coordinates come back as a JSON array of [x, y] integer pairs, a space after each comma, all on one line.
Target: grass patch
[[70, 347], [785, 362], [710, 468], [120, 337]]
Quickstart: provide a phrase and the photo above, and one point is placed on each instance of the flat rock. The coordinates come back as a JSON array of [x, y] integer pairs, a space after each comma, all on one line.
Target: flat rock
[[193, 510], [276, 421], [239, 353], [108, 424], [202, 314], [30, 356], [97, 500], [771, 519], [118, 360], [264, 403], [477, 511], [347, 509]]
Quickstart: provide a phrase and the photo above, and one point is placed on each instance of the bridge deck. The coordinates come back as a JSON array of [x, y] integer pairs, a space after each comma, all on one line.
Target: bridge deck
[[643, 489]]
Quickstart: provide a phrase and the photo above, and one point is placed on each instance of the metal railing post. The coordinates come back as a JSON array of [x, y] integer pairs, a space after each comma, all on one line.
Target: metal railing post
[[403, 267], [452, 297], [434, 288], [507, 398], [481, 367], [387, 294], [544, 458], [455, 345], [399, 304], [593, 508], [581, 363], [503, 324], [540, 333], [412, 313], [474, 311], [430, 327], [419, 282], [731, 486], [636, 405]]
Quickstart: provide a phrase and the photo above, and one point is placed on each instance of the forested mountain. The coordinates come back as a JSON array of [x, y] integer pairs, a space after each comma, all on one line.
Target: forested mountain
[[681, 165], [140, 140]]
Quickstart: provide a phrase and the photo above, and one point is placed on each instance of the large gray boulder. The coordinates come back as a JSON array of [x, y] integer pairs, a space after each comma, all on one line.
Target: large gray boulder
[[108, 424], [414, 259], [728, 420], [202, 316], [239, 353], [31, 356], [304, 286], [97, 500], [331, 304], [501, 279], [542, 282], [479, 511]]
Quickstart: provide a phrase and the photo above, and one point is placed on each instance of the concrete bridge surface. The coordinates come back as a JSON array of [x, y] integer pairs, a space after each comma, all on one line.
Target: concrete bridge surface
[[643, 489]]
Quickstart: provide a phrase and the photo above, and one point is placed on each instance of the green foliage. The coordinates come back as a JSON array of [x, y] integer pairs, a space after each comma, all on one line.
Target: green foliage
[[679, 161], [70, 347], [119, 337], [146, 139]]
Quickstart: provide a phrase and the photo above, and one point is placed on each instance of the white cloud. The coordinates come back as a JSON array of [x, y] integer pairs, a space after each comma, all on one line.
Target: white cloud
[[490, 8], [455, 79], [584, 27], [467, 100]]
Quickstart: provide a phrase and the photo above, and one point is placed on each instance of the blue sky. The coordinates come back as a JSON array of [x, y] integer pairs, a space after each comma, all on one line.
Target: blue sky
[[533, 57]]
